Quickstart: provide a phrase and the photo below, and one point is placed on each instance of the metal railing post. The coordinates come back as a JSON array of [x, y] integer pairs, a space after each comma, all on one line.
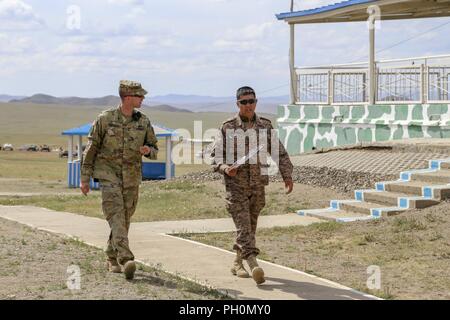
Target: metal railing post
[[330, 87], [372, 62], [424, 83]]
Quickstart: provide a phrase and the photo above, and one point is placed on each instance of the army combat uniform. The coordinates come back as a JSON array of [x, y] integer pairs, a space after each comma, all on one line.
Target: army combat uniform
[[245, 192], [113, 157]]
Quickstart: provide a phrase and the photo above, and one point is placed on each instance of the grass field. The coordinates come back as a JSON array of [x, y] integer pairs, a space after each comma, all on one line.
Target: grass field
[[22, 123], [48, 167], [38, 172], [181, 200], [45, 173], [42, 124]]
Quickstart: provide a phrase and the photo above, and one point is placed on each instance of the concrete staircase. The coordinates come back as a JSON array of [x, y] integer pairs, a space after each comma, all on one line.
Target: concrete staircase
[[416, 189]]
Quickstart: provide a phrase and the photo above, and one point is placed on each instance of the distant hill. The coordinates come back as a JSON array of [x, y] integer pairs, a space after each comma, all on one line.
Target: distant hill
[[194, 99], [47, 99], [217, 104], [76, 101], [7, 98], [189, 99], [167, 108], [170, 102]]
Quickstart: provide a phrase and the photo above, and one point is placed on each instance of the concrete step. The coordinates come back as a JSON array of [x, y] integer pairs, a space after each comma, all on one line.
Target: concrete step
[[335, 215], [445, 165], [386, 198], [414, 188], [437, 192], [438, 177], [418, 203], [420, 188], [393, 199], [366, 208]]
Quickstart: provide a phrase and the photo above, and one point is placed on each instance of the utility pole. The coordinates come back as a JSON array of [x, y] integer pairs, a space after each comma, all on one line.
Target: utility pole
[[293, 87]]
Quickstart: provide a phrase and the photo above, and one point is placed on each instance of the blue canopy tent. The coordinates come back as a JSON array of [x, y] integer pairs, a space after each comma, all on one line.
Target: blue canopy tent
[[150, 170]]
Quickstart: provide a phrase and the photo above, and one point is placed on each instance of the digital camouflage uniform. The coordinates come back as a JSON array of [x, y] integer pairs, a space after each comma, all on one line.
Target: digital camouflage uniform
[[245, 193], [113, 157]]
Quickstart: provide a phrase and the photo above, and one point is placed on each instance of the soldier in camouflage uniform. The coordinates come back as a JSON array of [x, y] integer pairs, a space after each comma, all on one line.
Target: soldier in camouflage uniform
[[245, 184], [118, 139]]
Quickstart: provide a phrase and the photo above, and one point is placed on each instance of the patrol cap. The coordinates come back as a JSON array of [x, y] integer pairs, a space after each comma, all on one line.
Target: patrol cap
[[131, 88], [242, 91]]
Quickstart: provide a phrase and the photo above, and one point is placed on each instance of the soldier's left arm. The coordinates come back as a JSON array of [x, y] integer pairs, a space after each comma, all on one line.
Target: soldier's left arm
[[151, 141]]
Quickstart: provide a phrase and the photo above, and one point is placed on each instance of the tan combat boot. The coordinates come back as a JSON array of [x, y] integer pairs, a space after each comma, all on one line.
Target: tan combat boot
[[113, 266], [238, 268], [129, 269], [257, 271]]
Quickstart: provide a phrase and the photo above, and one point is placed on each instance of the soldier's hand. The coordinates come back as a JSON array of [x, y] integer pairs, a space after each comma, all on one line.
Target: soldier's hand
[[84, 188], [289, 184], [231, 171], [145, 150]]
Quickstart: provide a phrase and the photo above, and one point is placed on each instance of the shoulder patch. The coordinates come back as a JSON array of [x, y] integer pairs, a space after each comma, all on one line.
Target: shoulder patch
[[106, 112], [109, 110], [229, 120], [262, 118]]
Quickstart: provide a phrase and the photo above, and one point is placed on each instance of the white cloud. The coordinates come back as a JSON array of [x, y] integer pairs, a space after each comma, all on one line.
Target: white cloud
[[16, 45], [213, 43], [17, 15], [76, 49], [137, 7], [127, 2], [136, 12], [249, 38], [255, 31], [235, 45]]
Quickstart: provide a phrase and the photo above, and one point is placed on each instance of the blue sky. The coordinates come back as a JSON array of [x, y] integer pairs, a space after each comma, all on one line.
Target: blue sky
[[204, 47]]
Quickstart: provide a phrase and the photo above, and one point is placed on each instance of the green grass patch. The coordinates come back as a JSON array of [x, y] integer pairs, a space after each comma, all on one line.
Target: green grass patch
[[168, 200]]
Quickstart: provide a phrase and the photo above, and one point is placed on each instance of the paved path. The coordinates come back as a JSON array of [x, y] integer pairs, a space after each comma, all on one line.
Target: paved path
[[191, 260], [221, 225]]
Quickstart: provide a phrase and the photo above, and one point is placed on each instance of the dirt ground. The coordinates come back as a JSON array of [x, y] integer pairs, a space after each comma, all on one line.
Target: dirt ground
[[412, 251], [34, 265]]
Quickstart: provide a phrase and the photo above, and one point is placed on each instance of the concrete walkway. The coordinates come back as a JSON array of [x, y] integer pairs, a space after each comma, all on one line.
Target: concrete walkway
[[191, 260], [221, 225]]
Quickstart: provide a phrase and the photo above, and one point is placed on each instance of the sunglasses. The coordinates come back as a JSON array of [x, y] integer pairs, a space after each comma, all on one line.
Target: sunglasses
[[245, 102]]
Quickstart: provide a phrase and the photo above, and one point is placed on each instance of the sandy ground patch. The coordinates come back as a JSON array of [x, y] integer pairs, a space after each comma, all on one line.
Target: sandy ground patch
[[34, 264], [412, 251]]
